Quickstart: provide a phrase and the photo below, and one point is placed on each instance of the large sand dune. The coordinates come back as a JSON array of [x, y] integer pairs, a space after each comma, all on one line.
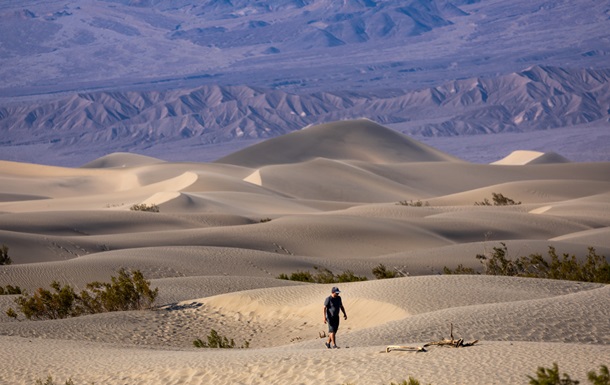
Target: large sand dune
[[327, 197]]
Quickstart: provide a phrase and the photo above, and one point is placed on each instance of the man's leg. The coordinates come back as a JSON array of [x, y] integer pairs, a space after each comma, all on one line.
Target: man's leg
[[331, 338]]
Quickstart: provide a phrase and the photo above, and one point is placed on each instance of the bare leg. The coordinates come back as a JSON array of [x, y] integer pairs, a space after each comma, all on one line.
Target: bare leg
[[331, 338]]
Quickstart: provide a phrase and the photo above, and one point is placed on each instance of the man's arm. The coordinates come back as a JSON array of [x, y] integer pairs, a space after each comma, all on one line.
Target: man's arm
[[344, 313], [324, 314]]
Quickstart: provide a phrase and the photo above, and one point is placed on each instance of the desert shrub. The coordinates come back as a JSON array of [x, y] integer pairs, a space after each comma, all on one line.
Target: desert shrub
[[594, 269], [349, 276], [381, 272], [50, 381], [550, 376], [46, 304], [460, 269], [498, 200], [544, 376], [264, 220], [301, 276], [410, 381], [602, 379], [498, 263], [10, 290], [217, 341], [153, 208], [322, 275], [411, 203], [12, 313], [4, 258], [128, 291]]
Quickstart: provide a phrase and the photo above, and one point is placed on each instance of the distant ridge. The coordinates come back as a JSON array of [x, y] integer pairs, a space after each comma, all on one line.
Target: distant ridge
[[355, 140], [98, 123], [311, 45]]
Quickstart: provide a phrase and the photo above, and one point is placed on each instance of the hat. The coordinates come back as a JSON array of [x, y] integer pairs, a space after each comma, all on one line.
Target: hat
[[335, 290]]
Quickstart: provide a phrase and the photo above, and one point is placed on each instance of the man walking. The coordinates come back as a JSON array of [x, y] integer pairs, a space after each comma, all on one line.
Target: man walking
[[332, 305]]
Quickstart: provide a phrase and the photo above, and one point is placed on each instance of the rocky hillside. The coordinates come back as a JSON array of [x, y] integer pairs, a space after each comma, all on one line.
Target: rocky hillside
[[90, 77], [294, 45], [538, 98]]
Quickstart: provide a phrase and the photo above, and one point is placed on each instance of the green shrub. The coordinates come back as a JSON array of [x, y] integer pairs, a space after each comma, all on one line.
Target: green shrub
[[50, 381], [418, 203], [381, 272], [322, 275], [11, 313], [594, 269], [4, 258], [301, 276], [45, 304], [128, 291], [349, 276], [153, 208], [217, 341], [545, 376], [411, 381], [460, 269], [498, 263], [498, 200], [550, 376], [10, 290], [602, 379]]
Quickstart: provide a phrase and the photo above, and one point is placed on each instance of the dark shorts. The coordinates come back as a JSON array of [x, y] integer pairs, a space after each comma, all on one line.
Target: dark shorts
[[333, 324]]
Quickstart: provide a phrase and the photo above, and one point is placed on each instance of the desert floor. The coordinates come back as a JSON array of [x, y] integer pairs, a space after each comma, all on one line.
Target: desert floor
[[324, 197]]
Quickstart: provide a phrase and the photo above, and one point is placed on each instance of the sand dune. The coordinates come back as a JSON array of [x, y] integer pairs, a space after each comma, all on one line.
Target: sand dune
[[531, 157], [340, 196], [362, 140]]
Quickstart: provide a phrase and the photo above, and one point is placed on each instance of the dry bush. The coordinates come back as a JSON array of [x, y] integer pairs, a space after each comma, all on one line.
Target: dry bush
[[128, 291], [217, 341], [602, 379], [460, 269], [412, 203], [498, 200], [10, 290], [594, 269], [153, 208], [381, 272], [322, 275], [4, 258]]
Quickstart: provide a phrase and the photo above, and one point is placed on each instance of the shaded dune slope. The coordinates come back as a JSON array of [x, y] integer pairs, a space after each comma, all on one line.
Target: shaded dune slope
[[362, 140], [341, 196], [341, 189], [344, 196]]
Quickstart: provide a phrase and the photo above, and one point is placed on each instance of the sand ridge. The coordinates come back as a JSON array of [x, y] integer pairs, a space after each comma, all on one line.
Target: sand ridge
[[342, 196]]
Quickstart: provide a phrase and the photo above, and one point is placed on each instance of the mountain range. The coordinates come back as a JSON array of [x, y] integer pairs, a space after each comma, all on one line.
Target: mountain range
[[83, 79]]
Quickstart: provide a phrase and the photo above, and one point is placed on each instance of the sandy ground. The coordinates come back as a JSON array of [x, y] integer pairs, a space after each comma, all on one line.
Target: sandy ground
[[325, 197]]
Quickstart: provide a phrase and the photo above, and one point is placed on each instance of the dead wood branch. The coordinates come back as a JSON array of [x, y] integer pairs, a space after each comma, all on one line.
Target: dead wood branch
[[452, 342], [404, 348]]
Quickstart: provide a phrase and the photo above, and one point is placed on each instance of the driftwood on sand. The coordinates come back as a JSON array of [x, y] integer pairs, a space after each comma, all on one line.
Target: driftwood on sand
[[452, 343]]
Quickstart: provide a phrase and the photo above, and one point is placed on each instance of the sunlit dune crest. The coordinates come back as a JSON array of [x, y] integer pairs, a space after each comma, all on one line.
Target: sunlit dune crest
[[343, 196]]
